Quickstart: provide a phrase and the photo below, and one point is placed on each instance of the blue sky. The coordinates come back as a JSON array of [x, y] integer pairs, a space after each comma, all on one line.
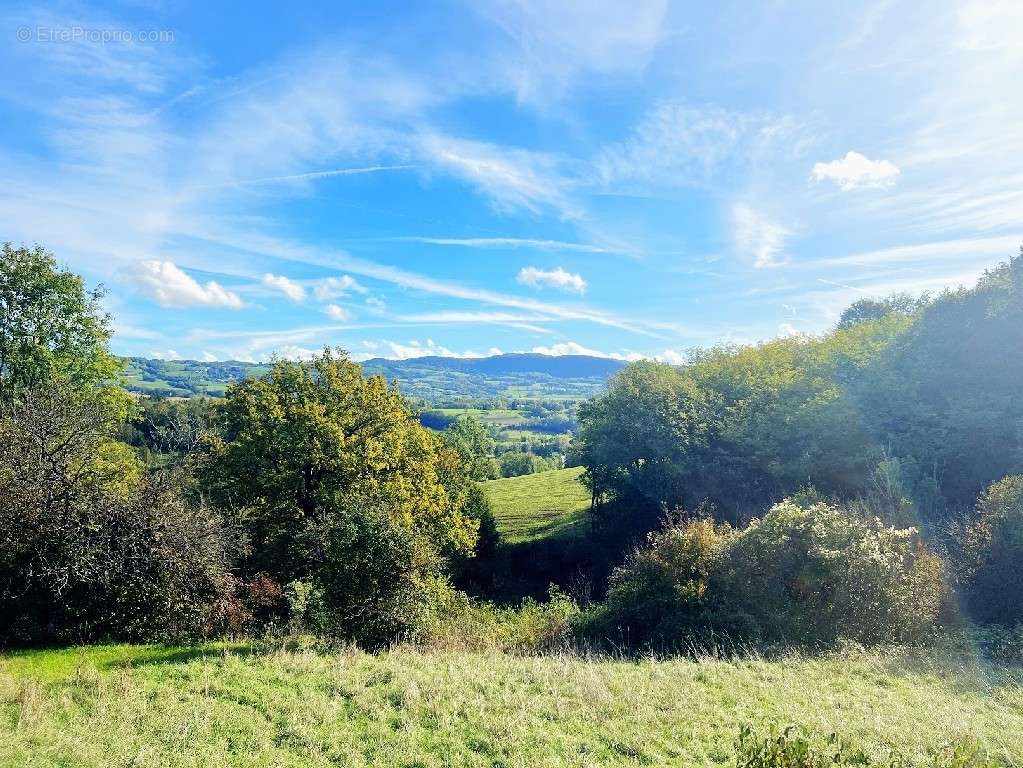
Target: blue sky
[[628, 179]]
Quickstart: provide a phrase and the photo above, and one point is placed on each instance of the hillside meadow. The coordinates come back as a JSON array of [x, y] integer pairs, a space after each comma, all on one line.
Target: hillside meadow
[[242, 705], [540, 505]]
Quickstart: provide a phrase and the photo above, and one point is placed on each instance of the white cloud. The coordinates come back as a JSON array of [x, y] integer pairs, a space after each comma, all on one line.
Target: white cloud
[[575, 348], [669, 356], [376, 304], [856, 171], [294, 352], [509, 319], [209, 357], [335, 312], [758, 238], [169, 354], [672, 357], [414, 348], [289, 288], [555, 278], [337, 287], [140, 65], [787, 329], [171, 287], [338, 259]]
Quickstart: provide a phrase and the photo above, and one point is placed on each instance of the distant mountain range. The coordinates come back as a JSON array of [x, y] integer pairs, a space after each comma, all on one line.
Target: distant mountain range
[[561, 366], [435, 380]]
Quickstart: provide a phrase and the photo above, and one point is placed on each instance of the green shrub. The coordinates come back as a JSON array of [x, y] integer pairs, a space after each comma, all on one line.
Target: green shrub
[[533, 627], [996, 644], [817, 574], [517, 463], [792, 748], [91, 547], [801, 574], [305, 607], [664, 591], [993, 554], [379, 581]]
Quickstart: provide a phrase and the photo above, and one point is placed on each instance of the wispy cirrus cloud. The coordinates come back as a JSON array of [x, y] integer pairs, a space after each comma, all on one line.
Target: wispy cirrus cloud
[[513, 178], [295, 178], [512, 242], [942, 250], [758, 238], [249, 242], [677, 144], [551, 45], [527, 322]]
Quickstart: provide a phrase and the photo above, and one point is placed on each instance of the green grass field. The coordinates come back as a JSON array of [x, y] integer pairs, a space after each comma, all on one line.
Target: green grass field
[[495, 416], [540, 505], [230, 706]]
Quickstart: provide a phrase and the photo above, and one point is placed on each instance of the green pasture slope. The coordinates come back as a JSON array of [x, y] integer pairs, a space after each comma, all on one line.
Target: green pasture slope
[[233, 705], [537, 506], [497, 417]]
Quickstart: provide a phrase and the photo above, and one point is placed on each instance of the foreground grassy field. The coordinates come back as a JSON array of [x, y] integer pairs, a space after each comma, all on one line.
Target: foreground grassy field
[[229, 705], [540, 505]]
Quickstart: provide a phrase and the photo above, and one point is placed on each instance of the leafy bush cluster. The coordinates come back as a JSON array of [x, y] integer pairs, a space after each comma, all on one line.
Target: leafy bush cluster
[[310, 497], [91, 545], [517, 463], [797, 748], [805, 573]]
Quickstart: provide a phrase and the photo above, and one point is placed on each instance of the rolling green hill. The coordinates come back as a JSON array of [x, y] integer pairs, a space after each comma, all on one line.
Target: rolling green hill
[[432, 380], [537, 506], [186, 378]]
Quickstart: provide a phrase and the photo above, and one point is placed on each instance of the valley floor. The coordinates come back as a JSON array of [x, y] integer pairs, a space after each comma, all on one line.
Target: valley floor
[[231, 705]]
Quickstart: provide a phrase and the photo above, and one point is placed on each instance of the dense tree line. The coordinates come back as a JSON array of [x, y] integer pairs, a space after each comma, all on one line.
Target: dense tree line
[[311, 496], [906, 412], [924, 395]]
